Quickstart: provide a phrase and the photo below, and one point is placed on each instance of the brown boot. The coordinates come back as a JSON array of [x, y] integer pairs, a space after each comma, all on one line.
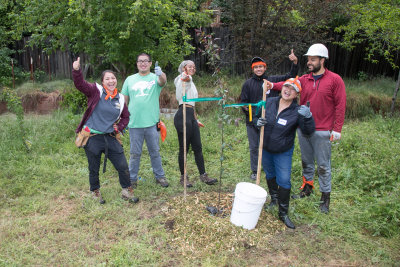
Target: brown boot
[[210, 181], [127, 194], [188, 183], [97, 195]]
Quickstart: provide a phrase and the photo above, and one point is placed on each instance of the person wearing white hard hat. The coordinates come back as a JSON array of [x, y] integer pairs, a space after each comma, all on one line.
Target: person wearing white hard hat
[[252, 92], [326, 93], [282, 117]]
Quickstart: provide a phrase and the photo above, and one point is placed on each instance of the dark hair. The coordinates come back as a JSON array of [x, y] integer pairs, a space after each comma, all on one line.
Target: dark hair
[[104, 73], [325, 61], [143, 54]]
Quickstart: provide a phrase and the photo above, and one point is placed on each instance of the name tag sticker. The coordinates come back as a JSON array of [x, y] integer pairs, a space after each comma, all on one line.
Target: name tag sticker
[[282, 121]]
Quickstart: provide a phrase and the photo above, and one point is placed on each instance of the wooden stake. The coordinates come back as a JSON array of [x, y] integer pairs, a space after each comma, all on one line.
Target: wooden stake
[[32, 69], [184, 143], [260, 147], [12, 71], [48, 67]]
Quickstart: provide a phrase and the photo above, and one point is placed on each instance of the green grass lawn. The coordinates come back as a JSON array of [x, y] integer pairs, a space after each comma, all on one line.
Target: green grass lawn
[[48, 217]]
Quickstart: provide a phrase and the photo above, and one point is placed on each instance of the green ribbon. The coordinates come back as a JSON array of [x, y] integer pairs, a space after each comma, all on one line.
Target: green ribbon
[[202, 99], [259, 105]]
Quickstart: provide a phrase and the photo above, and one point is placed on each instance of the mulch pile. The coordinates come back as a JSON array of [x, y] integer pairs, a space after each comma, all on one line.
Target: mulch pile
[[196, 231]]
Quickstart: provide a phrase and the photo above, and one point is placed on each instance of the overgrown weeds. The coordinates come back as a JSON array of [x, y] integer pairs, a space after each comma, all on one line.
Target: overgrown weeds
[[49, 218]]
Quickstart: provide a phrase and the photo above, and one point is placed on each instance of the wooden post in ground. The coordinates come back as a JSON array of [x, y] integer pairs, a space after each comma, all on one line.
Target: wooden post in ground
[[184, 143], [32, 69], [12, 71], [48, 67], [260, 147]]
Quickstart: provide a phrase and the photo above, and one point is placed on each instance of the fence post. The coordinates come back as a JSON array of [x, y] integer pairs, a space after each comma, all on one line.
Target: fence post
[[32, 69], [12, 71]]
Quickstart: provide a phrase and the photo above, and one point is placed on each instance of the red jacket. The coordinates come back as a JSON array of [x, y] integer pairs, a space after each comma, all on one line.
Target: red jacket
[[327, 98]]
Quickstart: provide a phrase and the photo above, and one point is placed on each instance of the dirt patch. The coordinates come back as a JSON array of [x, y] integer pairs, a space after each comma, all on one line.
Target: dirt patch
[[37, 102], [40, 102]]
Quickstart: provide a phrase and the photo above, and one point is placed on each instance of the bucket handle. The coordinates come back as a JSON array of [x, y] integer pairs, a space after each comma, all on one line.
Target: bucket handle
[[247, 211]]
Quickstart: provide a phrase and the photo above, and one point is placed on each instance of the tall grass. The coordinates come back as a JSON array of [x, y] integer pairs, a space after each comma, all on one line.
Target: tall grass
[[48, 217]]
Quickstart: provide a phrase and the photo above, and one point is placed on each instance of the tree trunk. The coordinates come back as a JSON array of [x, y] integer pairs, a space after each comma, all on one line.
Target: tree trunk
[[395, 94]]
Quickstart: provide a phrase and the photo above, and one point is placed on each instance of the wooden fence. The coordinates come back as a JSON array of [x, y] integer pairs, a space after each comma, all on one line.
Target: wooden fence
[[345, 63]]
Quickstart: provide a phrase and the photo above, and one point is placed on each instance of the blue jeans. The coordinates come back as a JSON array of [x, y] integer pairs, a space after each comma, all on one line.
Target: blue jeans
[[137, 137], [278, 165]]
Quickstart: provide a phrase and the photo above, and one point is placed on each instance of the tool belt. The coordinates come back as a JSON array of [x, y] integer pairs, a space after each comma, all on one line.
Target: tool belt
[[82, 137]]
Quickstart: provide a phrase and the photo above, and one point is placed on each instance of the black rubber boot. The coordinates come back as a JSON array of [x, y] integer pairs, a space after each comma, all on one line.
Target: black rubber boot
[[273, 192], [325, 201], [283, 202], [306, 192]]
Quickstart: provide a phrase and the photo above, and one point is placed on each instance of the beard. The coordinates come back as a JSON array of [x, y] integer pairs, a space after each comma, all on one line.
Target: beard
[[314, 69]]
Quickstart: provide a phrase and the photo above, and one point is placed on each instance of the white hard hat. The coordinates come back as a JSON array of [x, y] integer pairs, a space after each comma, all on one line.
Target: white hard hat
[[317, 50]]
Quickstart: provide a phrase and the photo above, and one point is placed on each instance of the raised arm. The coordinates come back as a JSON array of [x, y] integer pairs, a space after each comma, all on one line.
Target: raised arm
[[87, 88]]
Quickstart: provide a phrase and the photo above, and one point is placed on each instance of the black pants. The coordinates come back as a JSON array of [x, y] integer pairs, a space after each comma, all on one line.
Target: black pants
[[192, 138], [95, 146]]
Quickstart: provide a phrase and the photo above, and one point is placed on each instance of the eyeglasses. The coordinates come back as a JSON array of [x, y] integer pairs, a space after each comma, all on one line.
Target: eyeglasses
[[143, 61]]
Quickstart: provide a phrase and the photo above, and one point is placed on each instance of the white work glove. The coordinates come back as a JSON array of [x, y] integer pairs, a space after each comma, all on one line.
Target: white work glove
[[335, 136], [270, 85], [158, 71]]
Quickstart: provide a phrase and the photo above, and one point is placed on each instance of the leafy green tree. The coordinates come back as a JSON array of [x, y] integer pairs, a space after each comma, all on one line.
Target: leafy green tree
[[270, 28], [114, 31], [376, 23], [8, 9]]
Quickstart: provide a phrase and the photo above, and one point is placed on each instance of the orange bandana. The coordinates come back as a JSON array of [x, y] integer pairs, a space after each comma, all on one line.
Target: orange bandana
[[295, 82], [258, 63], [112, 95]]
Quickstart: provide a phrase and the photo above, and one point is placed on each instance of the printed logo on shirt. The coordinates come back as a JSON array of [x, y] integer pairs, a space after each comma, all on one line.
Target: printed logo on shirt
[[282, 122], [143, 87]]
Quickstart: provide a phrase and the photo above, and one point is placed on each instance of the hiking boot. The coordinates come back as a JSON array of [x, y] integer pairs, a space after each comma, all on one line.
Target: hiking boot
[[273, 192], [162, 181], [325, 201], [127, 194], [253, 176], [204, 178], [188, 183], [306, 192], [97, 195]]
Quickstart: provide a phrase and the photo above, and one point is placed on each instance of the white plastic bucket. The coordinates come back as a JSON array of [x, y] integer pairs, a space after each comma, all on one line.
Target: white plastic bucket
[[247, 205]]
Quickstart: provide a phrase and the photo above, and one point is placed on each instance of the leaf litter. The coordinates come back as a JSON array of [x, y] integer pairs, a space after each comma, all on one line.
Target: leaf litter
[[195, 231]]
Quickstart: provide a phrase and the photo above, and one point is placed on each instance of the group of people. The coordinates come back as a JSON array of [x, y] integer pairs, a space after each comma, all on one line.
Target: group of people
[[318, 120], [136, 107]]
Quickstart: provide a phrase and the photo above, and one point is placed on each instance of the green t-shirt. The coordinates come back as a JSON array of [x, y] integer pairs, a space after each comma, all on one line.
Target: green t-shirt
[[144, 93]]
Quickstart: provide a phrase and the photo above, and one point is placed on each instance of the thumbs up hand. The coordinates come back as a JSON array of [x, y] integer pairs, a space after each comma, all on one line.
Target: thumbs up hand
[[293, 57], [77, 64]]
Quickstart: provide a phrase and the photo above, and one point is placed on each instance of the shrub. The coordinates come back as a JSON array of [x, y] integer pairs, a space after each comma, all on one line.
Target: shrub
[[74, 101]]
